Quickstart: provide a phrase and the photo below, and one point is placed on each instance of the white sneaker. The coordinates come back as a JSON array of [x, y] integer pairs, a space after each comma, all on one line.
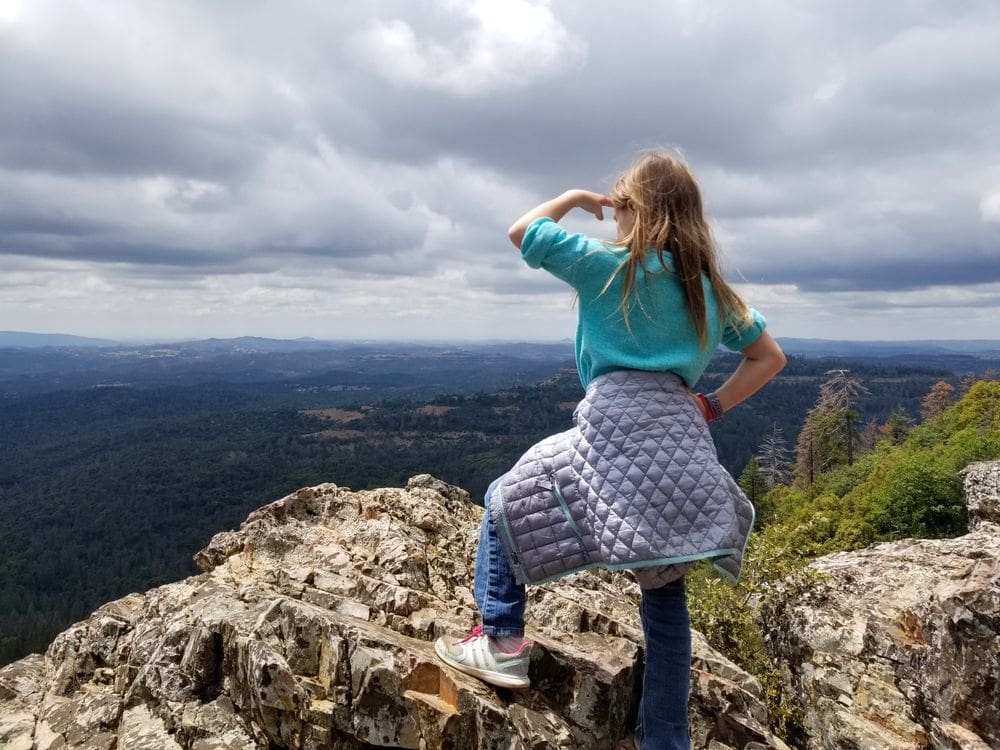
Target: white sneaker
[[476, 655]]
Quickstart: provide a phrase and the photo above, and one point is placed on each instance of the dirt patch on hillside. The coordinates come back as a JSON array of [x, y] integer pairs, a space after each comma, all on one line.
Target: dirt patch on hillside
[[396, 438], [435, 410], [334, 414], [338, 434]]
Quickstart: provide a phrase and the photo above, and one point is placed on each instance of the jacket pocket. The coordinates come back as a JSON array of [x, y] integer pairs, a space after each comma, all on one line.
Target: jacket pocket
[[565, 508]]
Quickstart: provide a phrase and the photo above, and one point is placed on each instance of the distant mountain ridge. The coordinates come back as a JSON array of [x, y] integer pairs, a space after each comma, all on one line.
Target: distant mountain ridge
[[25, 339], [810, 347], [29, 340], [834, 348]]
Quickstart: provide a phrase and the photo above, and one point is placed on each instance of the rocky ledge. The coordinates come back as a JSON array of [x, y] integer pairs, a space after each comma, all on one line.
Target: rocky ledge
[[312, 626], [897, 646]]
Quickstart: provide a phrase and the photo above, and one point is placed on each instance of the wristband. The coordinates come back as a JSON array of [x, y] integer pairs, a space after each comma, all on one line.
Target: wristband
[[706, 405], [713, 401]]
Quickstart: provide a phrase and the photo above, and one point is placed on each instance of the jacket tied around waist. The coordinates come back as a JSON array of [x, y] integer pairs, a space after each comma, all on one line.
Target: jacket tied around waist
[[636, 484]]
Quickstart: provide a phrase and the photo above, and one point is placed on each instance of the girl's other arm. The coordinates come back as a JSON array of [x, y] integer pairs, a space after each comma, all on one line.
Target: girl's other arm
[[558, 207], [762, 360]]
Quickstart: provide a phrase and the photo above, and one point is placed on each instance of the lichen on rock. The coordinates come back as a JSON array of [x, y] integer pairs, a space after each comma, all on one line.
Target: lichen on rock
[[896, 646], [312, 627]]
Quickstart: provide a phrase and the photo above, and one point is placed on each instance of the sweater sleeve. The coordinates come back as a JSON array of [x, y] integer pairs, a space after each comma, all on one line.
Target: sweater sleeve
[[736, 336], [547, 245]]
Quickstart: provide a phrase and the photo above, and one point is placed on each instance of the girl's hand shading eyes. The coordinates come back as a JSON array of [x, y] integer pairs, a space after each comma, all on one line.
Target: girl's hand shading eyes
[[592, 202]]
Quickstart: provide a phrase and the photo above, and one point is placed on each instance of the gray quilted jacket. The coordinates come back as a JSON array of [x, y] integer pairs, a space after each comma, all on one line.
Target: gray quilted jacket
[[635, 484]]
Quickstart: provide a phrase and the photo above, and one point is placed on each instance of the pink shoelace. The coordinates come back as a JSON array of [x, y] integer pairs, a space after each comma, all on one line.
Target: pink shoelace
[[476, 633]]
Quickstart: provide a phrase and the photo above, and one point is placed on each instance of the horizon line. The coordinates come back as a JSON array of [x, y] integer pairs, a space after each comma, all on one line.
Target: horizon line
[[176, 339]]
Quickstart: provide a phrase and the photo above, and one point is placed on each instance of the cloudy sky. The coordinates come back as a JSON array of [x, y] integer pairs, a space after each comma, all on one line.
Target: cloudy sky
[[348, 170]]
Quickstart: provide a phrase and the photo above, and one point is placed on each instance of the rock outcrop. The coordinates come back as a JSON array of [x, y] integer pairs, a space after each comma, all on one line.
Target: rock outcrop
[[897, 646], [312, 627]]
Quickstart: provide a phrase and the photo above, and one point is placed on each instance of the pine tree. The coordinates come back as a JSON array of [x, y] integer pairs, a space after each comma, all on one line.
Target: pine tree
[[751, 481], [938, 398], [871, 434], [773, 458], [808, 452], [828, 438], [965, 383], [897, 426], [841, 393]]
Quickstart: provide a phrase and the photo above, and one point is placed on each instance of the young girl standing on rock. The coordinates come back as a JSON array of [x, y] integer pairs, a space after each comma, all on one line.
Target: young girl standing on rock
[[636, 484]]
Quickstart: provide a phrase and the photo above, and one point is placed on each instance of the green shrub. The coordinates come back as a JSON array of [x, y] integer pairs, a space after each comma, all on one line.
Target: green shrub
[[724, 613], [919, 495]]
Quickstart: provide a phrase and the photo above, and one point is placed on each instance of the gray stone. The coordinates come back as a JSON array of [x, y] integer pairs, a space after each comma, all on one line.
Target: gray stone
[[896, 646], [312, 626], [140, 729], [982, 492], [17, 729]]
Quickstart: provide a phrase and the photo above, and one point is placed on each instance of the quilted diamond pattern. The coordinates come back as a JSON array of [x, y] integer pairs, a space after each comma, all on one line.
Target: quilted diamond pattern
[[635, 484]]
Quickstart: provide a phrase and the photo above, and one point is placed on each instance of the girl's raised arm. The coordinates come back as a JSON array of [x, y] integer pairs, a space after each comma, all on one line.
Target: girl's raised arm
[[558, 207]]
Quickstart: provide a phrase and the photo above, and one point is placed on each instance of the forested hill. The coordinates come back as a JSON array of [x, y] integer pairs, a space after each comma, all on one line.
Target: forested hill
[[110, 488]]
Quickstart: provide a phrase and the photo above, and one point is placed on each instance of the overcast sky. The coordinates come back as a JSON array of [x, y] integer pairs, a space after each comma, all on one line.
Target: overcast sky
[[349, 169]]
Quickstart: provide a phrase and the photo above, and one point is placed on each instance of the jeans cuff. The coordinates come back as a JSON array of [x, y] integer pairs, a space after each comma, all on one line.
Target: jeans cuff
[[496, 632]]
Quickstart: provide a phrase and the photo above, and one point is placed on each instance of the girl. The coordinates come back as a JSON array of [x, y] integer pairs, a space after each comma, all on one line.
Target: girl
[[636, 484]]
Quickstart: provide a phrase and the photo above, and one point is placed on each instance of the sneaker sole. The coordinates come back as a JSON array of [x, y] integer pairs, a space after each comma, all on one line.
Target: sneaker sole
[[499, 679]]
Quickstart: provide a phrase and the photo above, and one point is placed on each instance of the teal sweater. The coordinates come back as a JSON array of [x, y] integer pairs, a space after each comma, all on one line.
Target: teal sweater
[[662, 336]]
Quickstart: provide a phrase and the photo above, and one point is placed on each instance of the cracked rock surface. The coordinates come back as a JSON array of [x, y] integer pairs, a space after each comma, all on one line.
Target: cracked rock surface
[[897, 646], [312, 626]]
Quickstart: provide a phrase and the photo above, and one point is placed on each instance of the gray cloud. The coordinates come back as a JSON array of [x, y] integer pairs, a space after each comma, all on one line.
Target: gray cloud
[[880, 275], [841, 146]]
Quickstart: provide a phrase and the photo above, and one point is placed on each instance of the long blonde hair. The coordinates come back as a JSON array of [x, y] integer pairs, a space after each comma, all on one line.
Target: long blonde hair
[[663, 193]]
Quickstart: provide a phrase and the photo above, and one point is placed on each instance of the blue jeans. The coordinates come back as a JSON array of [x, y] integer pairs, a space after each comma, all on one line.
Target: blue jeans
[[663, 710], [666, 681], [500, 598]]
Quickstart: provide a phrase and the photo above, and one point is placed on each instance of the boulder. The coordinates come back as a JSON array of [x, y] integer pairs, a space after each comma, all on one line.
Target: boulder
[[896, 646], [312, 626]]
